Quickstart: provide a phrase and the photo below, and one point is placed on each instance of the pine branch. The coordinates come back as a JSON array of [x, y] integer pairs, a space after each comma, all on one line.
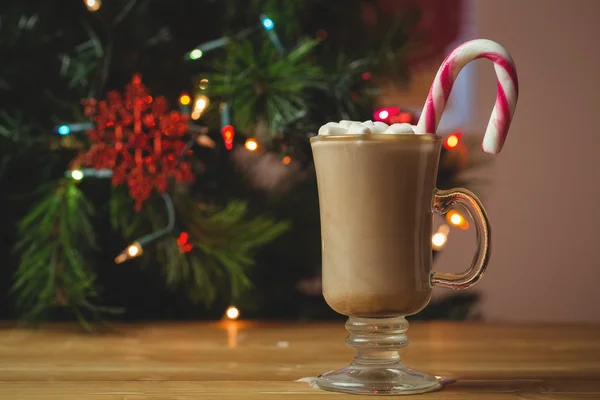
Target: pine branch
[[223, 243], [263, 85], [55, 239]]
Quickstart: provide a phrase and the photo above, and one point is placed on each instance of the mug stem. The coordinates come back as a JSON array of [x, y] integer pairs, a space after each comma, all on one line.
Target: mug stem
[[377, 368]]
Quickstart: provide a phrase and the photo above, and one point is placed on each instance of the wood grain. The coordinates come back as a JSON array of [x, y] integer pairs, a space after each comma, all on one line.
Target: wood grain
[[248, 360]]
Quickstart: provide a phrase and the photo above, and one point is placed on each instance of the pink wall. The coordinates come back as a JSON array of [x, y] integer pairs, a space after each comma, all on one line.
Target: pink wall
[[545, 199]]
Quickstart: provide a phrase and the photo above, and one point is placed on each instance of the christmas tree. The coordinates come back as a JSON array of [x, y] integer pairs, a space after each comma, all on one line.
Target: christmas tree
[[172, 138]]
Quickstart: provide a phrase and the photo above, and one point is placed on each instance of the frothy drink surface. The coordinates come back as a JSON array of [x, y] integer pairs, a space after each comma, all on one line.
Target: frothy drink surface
[[375, 200]]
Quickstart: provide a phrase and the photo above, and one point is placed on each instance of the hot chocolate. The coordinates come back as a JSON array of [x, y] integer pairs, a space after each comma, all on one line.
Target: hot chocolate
[[375, 194]]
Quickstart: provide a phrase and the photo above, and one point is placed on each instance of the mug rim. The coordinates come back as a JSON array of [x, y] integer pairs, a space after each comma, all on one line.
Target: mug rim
[[378, 137]]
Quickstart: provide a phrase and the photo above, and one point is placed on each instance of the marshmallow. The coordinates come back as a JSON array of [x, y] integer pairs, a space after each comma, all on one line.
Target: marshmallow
[[332, 128], [399, 128], [379, 127], [358, 128]]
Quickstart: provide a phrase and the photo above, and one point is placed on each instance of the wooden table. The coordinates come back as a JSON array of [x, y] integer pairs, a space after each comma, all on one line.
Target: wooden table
[[244, 360]]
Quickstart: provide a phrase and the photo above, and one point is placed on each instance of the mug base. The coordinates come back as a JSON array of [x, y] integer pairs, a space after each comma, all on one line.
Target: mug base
[[393, 379], [376, 368]]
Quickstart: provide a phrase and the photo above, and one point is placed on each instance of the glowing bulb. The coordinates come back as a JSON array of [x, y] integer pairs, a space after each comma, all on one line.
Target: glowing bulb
[[184, 99], [77, 175], [195, 114], [196, 54], [452, 141], [64, 130], [251, 145], [201, 103], [268, 23], [203, 83], [232, 313], [384, 114], [456, 219], [438, 240], [93, 5], [286, 160], [132, 251]]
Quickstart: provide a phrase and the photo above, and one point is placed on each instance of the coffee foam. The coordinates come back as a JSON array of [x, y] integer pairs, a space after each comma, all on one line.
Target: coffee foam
[[364, 128]]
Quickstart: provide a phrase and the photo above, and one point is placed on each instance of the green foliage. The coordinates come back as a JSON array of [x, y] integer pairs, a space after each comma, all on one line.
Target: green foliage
[[55, 269], [263, 85], [223, 239]]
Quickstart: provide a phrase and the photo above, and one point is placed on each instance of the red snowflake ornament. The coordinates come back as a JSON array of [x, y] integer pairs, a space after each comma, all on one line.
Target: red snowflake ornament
[[139, 139]]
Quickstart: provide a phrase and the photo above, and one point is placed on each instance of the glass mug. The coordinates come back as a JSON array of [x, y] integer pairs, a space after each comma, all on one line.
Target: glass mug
[[377, 197]]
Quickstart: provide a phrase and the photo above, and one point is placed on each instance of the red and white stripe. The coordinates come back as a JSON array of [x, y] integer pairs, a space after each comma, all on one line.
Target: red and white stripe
[[506, 98]]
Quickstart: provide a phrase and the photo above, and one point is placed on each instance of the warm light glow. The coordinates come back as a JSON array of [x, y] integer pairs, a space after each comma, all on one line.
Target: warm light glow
[[132, 251], [196, 54], [232, 313], [438, 240], [456, 219], [251, 144], [203, 83], [201, 103], [77, 175], [93, 5], [196, 114], [452, 141], [286, 160], [184, 99], [384, 114]]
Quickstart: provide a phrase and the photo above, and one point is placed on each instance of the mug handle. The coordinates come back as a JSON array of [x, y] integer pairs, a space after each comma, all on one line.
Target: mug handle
[[442, 201]]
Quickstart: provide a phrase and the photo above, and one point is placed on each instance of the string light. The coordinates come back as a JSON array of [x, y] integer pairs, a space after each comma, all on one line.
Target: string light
[[251, 144], [439, 239], [456, 219], [132, 251], [203, 83], [286, 160], [267, 22], [366, 76], [383, 114], [135, 249], [66, 129], [200, 105], [269, 26], [452, 141], [93, 5], [404, 118], [195, 54], [232, 313], [185, 99], [182, 242], [77, 175]]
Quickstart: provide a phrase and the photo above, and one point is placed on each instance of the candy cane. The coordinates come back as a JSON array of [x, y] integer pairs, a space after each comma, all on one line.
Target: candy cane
[[506, 98]]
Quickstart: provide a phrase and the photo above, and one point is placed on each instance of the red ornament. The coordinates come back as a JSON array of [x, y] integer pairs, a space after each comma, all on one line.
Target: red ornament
[[228, 133], [139, 139]]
